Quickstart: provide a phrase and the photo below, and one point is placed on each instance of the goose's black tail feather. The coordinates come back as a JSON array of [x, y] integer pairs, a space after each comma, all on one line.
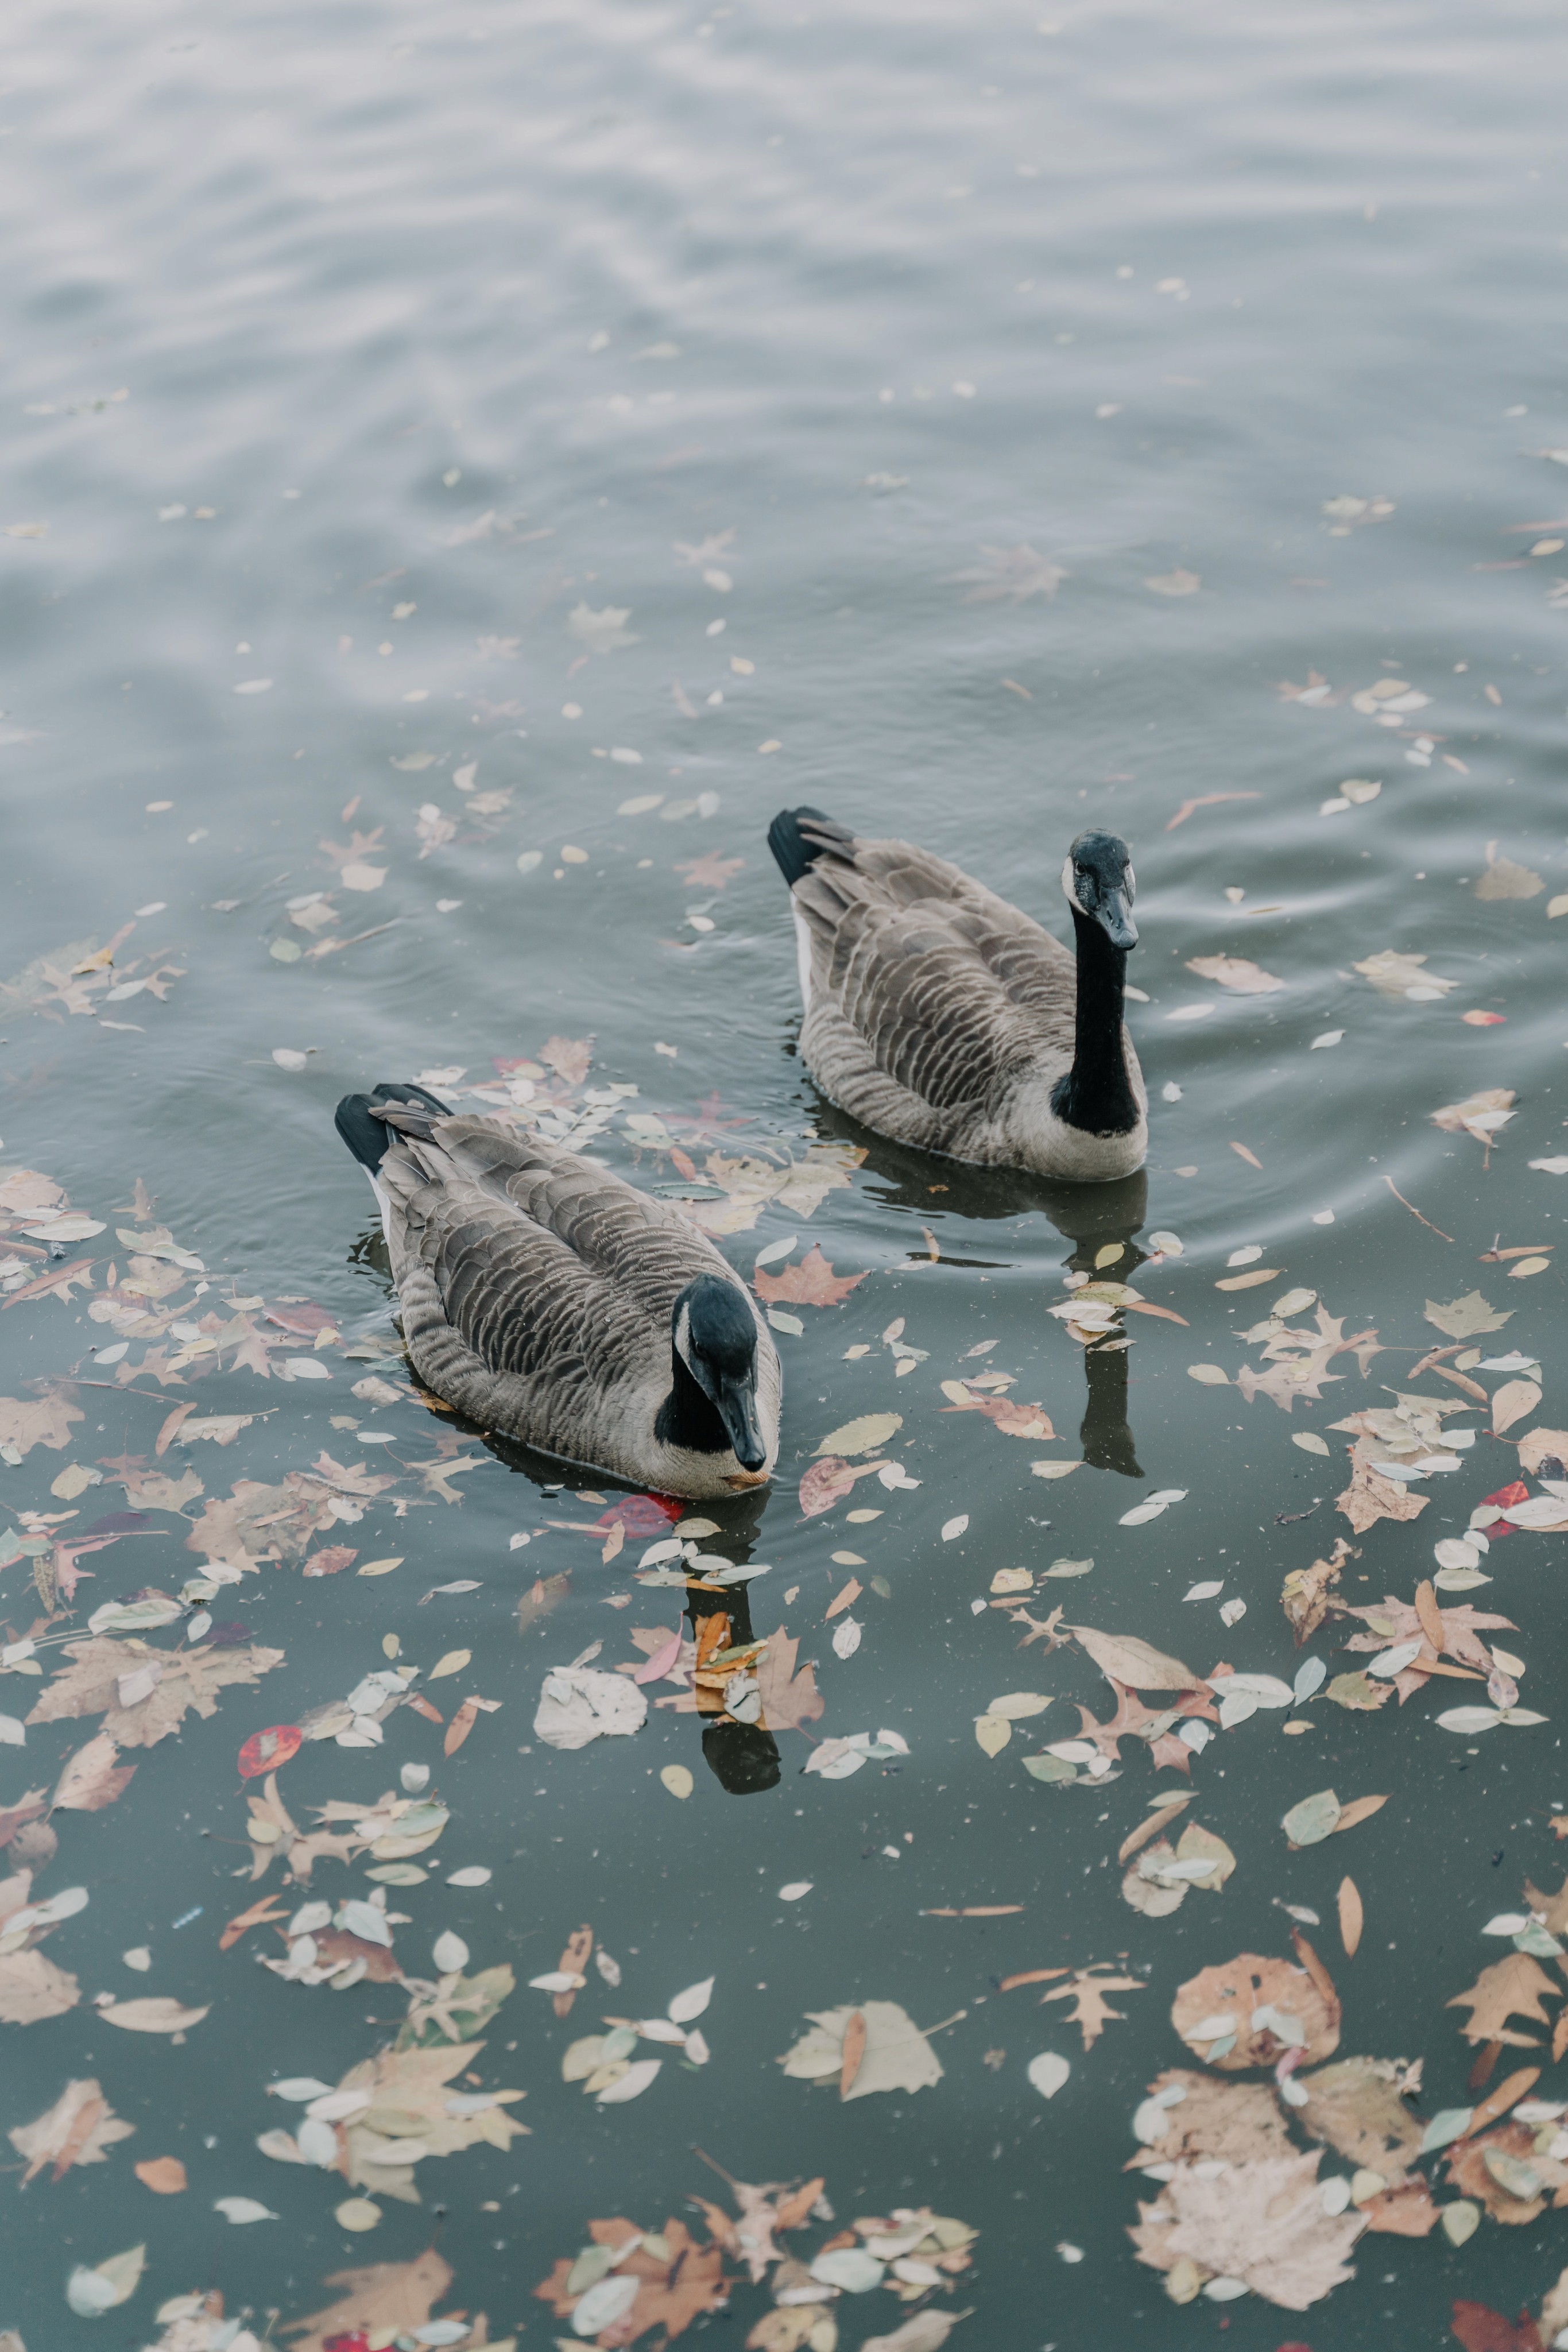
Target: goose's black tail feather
[[795, 850], [367, 1136]]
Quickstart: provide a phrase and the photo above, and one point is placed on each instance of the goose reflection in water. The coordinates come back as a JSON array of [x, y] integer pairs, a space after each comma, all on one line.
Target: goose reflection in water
[[1097, 1219]]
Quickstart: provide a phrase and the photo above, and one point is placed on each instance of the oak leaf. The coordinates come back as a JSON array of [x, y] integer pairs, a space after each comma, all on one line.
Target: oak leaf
[[1481, 2329], [1513, 1987], [672, 2292], [1090, 2010], [1370, 1496]]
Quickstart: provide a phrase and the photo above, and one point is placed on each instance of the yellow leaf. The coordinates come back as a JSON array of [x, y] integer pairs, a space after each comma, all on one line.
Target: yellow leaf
[[452, 1663], [380, 1566], [993, 1732]]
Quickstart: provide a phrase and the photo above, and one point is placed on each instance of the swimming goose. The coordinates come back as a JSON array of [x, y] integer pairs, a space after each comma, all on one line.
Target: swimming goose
[[550, 1301], [940, 1015]]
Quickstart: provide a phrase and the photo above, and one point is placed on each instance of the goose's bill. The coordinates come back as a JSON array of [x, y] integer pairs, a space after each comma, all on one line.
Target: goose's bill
[[1114, 916], [736, 1406]]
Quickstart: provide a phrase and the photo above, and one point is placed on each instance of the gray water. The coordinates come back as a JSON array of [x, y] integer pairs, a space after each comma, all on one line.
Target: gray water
[[356, 352]]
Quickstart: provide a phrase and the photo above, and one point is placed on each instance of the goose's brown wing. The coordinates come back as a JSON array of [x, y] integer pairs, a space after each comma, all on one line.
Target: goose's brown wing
[[541, 1262], [954, 991]]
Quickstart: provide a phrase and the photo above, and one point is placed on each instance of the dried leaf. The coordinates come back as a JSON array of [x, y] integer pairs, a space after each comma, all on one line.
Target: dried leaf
[[1357, 2106], [165, 2174], [1268, 2007], [896, 2056], [1091, 2011], [1124, 1658], [91, 1779], [144, 1694], [812, 1283], [31, 1988], [1235, 973], [1263, 2224], [79, 2128], [864, 1435], [1350, 1916], [1512, 1987], [387, 2299]]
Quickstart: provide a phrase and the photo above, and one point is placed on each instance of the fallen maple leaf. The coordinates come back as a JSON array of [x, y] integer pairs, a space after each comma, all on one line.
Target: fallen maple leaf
[[1371, 1496], [1263, 2223], [387, 2299], [1304, 1595], [812, 1283], [142, 1692]]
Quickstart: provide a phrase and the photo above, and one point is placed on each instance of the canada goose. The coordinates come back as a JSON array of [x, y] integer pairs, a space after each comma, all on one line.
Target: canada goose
[[938, 1015], [552, 1302]]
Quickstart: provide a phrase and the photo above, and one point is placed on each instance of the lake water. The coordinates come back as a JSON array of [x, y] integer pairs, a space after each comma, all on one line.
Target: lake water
[[558, 435]]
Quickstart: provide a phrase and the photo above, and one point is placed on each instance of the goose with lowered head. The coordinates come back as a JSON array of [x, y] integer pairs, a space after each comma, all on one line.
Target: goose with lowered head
[[939, 1015], [554, 1303]]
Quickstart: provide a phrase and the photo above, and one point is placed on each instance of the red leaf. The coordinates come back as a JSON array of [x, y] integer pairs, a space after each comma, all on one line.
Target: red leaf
[[641, 1515], [1482, 2330], [264, 1751]]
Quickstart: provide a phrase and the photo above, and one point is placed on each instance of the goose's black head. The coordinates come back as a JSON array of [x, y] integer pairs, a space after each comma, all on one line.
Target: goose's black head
[[714, 1335], [1097, 878]]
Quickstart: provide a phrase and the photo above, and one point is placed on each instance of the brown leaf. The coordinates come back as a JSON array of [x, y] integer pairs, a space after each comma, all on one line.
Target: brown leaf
[[1482, 2330], [91, 1779], [1512, 1987], [1228, 2122], [827, 1482], [812, 1283], [1304, 1595], [36, 1421], [462, 1722], [1124, 1658], [387, 2299], [1014, 1419], [57, 1283], [91, 1685], [1350, 1916], [1501, 878], [1152, 1827], [1430, 1614], [330, 1561], [165, 2174], [79, 2128], [260, 1915], [1472, 2176], [1357, 2108], [1236, 1989], [1359, 1808], [854, 2052], [1508, 2093], [573, 1962], [790, 1700], [1370, 1496], [709, 872], [1234, 972], [671, 2293]]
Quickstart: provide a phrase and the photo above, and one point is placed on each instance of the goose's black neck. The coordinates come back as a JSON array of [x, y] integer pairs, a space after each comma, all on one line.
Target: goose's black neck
[[687, 1418], [1096, 1094]]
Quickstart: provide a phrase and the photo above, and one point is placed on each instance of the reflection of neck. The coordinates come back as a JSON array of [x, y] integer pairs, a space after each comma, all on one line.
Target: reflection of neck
[[687, 1418], [1097, 1093]]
